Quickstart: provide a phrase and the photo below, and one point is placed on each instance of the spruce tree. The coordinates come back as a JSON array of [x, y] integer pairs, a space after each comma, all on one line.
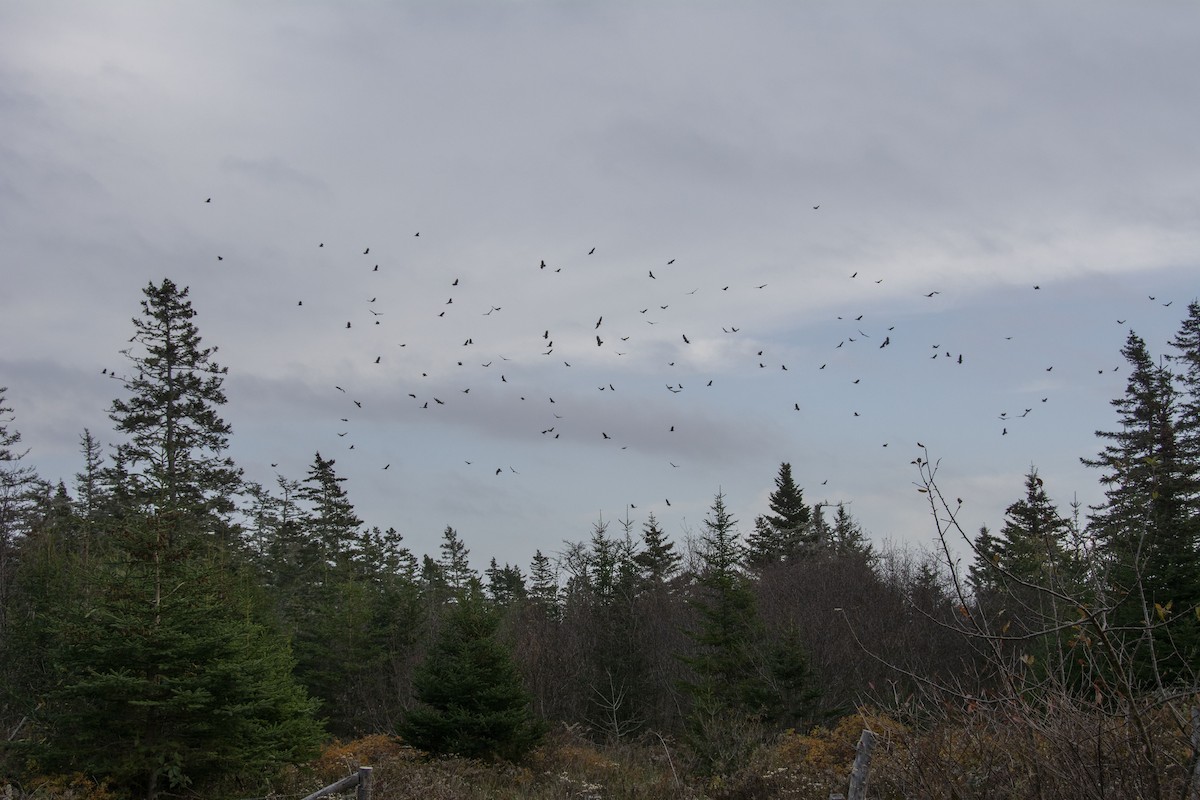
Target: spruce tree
[[786, 533], [543, 583], [657, 560], [741, 679], [163, 680], [1144, 533], [471, 699], [16, 480], [455, 566], [173, 461], [1187, 419]]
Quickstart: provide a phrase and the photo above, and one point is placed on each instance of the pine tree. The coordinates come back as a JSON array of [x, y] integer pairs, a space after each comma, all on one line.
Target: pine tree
[[1143, 531], [163, 679], [982, 574], [454, 563], [1187, 419], [16, 482], [657, 561], [172, 461], [331, 524], [786, 533], [727, 616], [741, 679], [543, 583], [472, 702], [846, 537]]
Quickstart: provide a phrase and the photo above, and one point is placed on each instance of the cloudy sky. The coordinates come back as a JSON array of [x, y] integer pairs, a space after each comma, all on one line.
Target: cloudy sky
[[798, 178]]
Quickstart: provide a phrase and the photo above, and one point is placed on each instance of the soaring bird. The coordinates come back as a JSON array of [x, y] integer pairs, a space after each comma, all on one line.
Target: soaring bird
[[366, 251], [591, 251]]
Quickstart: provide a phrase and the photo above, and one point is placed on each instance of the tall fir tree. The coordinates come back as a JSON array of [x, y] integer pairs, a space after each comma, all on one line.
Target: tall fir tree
[[1144, 533], [173, 460], [741, 680], [658, 561], [785, 533], [1186, 359]]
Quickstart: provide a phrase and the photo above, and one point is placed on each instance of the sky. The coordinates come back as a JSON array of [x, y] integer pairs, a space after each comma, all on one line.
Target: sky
[[760, 223]]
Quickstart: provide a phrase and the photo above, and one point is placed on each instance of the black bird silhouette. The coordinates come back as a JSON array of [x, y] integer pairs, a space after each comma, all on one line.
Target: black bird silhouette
[[358, 404], [605, 435], [591, 251], [599, 341], [652, 274], [377, 359], [209, 200], [685, 339], [366, 251], [543, 265], [599, 320], [455, 282], [347, 324]]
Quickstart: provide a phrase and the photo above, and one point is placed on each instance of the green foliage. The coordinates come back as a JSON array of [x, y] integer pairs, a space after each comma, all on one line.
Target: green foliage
[[472, 702], [171, 461], [787, 532], [741, 678], [162, 680], [1147, 538]]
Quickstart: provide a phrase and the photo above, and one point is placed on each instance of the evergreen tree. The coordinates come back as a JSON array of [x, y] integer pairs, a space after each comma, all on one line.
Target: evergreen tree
[[982, 574], [331, 524], [657, 561], [785, 533], [728, 618], [172, 461], [1187, 419], [16, 481], [454, 562], [846, 537], [472, 702], [1145, 535], [506, 585], [741, 679], [163, 679], [543, 582]]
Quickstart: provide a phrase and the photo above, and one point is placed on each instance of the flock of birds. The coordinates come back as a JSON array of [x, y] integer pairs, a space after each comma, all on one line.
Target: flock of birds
[[483, 373]]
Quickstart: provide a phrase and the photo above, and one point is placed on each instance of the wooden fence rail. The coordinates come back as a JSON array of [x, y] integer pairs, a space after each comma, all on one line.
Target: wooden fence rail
[[360, 779]]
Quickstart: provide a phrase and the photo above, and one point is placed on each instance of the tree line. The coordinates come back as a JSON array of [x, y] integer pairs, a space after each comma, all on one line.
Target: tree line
[[168, 625]]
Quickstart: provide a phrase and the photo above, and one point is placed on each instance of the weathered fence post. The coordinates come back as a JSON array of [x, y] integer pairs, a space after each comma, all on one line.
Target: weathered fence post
[[862, 765], [1194, 785], [364, 784]]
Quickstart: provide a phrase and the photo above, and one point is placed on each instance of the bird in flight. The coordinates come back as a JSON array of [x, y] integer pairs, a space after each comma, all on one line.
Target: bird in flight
[[366, 251], [591, 251]]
